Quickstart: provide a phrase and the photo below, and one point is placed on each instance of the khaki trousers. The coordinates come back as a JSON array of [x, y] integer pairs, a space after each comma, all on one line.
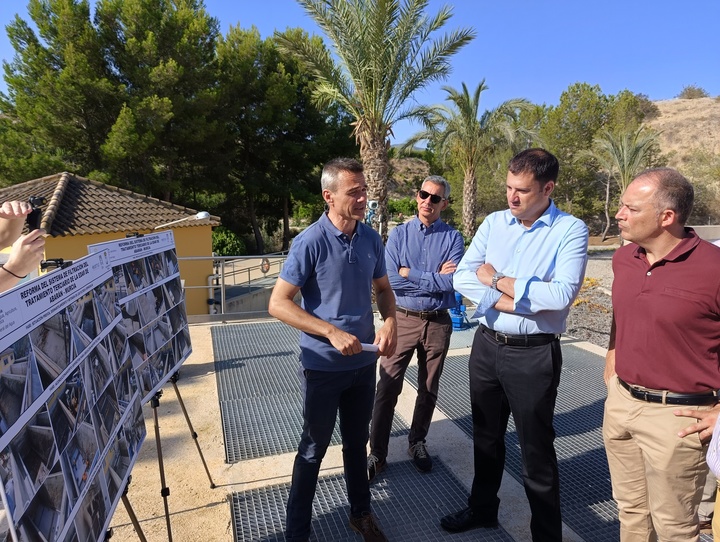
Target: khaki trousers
[[657, 477]]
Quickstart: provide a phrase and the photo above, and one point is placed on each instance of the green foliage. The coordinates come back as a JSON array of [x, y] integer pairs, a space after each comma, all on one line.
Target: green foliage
[[309, 210], [226, 243], [568, 132], [384, 53], [462, 134], [648, 109], [406, 206], [692, 92]]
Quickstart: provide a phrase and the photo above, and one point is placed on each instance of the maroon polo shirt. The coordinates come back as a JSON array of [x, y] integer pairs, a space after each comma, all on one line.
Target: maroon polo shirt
[[667, 317]]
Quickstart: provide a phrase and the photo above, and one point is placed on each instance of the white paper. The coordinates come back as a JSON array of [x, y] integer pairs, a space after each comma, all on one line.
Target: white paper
[[369, 347]]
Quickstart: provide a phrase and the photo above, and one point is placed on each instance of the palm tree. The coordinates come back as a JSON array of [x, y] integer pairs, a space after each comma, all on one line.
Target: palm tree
[[469, 138], [383, 54], [622, 156]]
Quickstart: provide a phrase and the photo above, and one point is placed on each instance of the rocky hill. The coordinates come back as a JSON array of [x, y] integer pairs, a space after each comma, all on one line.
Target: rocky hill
[[686, 125], [406, 176]]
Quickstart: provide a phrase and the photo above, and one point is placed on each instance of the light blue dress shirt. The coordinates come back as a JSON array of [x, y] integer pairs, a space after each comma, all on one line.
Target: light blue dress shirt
[[424, 250], [547, 261]]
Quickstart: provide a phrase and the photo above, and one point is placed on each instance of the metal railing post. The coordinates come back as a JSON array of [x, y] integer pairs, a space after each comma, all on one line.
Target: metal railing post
[[222, 288]]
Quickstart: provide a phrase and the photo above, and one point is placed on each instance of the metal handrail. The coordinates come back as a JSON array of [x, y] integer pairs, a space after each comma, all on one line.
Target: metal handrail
[[229, 272]]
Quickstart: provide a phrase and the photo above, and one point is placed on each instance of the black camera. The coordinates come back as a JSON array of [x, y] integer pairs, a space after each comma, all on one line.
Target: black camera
[[33, 219]]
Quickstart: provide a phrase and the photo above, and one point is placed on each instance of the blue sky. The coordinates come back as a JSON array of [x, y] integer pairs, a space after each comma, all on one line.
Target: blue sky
[[534, 49]]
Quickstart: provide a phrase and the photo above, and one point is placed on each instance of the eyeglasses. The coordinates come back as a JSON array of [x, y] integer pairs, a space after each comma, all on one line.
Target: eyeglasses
[[433, 197]]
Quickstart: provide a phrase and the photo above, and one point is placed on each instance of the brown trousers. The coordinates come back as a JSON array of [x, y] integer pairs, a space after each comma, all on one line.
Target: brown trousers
[[431, 339]]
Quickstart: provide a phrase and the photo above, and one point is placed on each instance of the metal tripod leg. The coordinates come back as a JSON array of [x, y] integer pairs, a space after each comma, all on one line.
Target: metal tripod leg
[[164, 491], [131, 513], [173, 379], [133, 518]]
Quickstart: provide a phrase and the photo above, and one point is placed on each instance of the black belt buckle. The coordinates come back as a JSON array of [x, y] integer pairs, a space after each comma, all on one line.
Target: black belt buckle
[[501, 337]]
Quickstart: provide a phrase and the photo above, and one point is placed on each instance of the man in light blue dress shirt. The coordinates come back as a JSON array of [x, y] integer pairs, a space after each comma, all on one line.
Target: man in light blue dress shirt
[[523, 269], [421, 256]]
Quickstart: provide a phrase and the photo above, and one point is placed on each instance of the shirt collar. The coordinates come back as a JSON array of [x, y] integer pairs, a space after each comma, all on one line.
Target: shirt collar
[[547, 218], [417, 224], [328, 226], [686, 244]]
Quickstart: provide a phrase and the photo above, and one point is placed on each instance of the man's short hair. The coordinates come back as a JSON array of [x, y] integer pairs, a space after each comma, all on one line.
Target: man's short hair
[[439, 181], [672, 191], [331, 171], [541, 164]]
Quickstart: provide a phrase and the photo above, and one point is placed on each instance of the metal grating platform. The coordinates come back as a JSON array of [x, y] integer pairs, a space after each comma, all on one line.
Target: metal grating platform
[[258, 389], [408, 505], [586, 495], [463, 338]]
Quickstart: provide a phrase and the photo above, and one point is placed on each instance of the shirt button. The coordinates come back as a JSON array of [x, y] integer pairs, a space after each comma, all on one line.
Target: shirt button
[[649, 273]]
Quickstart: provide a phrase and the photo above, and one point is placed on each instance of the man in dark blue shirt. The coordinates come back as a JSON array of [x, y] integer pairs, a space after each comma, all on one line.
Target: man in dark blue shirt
[[421, 257], [334, 263]]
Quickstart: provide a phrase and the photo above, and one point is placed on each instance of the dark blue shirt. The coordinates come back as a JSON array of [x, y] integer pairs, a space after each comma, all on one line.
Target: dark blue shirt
[[424, 250], [334, 273]]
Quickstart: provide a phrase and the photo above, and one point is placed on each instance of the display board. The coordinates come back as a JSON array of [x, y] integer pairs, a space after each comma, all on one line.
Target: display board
[[81, 349], [71, 419], [152, 302]]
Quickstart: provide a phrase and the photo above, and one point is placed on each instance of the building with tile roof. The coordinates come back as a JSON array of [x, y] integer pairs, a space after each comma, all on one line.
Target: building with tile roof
[[79, 212]]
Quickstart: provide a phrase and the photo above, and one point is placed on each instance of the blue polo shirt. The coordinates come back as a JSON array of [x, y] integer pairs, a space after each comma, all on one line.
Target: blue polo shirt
[[334, 273]]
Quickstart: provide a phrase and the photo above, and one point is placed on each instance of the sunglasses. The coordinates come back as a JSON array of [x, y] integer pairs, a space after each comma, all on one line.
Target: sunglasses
[[433, 197]]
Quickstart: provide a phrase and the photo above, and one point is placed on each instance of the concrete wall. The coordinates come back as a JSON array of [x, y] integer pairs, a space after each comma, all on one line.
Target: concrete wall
[[709, 233]]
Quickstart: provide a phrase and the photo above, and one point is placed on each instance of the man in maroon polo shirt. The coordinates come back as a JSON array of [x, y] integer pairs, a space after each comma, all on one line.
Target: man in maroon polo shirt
[[663, 361]]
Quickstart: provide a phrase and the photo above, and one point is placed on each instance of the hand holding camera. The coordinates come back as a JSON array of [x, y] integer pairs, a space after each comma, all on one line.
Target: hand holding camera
[[33, 219]]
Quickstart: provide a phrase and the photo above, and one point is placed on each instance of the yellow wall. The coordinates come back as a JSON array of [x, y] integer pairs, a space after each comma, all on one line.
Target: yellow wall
[[189, 241]]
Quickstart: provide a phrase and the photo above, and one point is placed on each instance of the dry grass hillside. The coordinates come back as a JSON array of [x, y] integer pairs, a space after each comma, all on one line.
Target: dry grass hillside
[[406, 176], [686, 125]]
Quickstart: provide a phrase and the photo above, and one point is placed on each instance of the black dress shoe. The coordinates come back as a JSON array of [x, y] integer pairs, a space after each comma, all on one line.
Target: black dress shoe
[[466, 519]]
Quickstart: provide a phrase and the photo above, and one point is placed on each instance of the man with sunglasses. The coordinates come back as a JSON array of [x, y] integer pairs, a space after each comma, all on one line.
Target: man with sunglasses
[[523, 269], [421, 257], [335, 263]]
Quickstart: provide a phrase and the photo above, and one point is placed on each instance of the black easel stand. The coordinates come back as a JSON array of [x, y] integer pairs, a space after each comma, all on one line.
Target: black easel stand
[[173, 379], [131, 513], [164, 490]]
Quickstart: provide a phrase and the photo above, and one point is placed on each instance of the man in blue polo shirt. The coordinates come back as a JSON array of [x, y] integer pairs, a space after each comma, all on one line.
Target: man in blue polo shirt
[[421, 256], [335, 263]]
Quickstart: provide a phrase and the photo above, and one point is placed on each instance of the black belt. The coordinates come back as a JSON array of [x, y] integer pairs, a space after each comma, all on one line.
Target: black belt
[[537, 339], [423, 315], [669, 397]]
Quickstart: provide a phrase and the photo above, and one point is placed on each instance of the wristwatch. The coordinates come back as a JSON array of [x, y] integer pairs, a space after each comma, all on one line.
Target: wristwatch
[[495, 278]]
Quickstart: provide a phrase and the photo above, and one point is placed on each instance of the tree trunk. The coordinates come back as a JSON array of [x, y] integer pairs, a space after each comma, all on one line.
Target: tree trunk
[[259, 243], [469, 203], [286, 224], [373, 152], [607, 210]]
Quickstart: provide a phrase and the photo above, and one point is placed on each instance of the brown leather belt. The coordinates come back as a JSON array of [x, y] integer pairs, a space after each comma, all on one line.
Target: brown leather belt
[[423, 315], [669, 397], [537, 339]]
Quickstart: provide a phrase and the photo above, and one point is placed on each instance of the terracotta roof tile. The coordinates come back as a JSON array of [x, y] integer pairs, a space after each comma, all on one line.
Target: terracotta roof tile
[[79, 206]]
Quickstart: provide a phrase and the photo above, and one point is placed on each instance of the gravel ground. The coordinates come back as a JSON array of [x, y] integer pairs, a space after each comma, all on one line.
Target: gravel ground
[[591, 314]]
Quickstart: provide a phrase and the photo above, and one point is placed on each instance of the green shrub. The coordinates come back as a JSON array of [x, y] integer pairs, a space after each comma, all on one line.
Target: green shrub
[[226, 243], [406, 206], [308, 211], [692, 92]]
